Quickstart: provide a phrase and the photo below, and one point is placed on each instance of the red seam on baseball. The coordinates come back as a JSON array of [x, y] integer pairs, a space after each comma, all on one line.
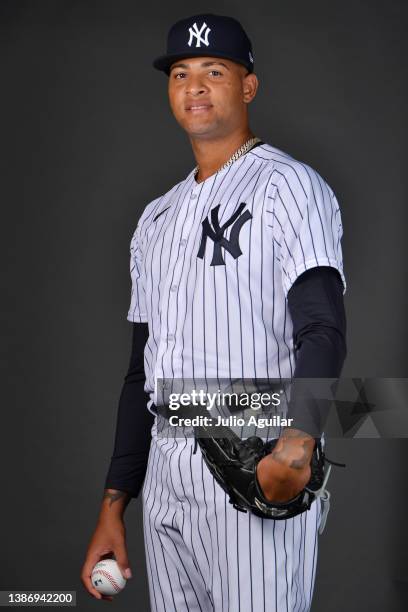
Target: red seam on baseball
[[108, 577]]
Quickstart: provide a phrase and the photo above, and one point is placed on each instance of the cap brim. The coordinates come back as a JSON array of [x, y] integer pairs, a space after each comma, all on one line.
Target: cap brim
[[164, 62]]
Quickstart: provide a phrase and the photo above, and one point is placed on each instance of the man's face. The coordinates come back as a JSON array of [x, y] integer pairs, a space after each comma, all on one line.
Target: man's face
[[209, 95]]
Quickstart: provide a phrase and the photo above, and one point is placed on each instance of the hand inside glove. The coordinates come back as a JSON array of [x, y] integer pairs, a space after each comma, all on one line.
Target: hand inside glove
[[284, 472]]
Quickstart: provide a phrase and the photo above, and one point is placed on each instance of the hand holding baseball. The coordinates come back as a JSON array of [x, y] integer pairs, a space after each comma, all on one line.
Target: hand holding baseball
[[107, 578], [107, 540]]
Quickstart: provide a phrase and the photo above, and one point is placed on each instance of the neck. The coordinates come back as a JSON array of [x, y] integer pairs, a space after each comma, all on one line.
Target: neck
[[211, 154]]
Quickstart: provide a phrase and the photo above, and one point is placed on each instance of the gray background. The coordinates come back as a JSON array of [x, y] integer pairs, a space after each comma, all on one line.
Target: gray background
[[88, 140]]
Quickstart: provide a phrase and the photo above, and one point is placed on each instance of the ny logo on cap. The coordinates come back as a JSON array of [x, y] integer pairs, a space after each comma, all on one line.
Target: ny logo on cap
[[196, 33], [216, 233]]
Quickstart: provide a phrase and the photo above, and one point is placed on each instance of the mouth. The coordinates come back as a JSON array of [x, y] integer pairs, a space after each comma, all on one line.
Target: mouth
[[198, 108]]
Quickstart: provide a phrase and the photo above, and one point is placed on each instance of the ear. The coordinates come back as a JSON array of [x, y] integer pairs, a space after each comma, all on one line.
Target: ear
[[249, 87]]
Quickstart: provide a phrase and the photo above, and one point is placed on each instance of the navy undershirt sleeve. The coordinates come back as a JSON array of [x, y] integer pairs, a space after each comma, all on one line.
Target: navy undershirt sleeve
[[316, 306], [133, 425]]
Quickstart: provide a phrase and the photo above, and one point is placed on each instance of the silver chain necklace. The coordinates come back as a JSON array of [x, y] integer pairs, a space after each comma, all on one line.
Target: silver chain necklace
[[238, 153]]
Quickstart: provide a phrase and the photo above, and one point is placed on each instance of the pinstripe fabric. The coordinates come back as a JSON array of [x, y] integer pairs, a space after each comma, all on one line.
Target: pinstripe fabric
[[222, 321], [203, 555], [230, 320]]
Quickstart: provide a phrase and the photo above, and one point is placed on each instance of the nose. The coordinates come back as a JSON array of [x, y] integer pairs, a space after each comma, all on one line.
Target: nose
[[195, 85]]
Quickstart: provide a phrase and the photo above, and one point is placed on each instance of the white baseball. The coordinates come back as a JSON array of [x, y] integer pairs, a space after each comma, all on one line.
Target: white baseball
[[107, 578]]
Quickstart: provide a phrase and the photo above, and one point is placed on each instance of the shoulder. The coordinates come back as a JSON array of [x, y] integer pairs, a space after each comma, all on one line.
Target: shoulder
[[285, 171], [156, 206]]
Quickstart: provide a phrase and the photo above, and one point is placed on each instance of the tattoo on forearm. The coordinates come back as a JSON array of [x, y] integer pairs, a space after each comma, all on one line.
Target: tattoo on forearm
[[281, 451], [114, 496], [301, 461]]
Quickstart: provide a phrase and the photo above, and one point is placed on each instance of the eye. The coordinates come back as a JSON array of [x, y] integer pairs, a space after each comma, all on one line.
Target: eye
[[216, 71], [179, 74]]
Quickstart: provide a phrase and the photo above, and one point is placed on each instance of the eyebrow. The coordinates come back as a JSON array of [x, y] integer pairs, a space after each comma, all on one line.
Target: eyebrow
[[203, 65]]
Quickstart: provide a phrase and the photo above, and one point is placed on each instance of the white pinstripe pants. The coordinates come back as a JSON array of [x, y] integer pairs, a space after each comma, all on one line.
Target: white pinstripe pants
[[204, 556]]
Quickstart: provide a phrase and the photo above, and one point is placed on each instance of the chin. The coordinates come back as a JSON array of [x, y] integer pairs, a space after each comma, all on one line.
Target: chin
[[199, 128]]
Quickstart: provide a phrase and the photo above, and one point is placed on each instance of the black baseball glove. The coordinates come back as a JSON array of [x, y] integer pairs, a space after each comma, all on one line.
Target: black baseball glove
[[233, 462]]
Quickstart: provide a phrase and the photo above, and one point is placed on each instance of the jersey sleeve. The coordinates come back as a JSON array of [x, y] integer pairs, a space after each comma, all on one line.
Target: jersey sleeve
[[137, 312], [306, 222]]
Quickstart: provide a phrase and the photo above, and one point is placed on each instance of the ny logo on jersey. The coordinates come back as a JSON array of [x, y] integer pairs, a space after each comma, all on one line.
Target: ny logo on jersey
[[196, 33], [216, 233]]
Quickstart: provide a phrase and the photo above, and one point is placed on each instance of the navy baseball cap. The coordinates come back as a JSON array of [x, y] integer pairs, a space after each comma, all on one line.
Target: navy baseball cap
[[207, 35]]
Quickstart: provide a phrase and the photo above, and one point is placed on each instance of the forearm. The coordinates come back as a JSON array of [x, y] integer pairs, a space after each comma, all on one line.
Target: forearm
[[114, 504], [133, 427], [319, 327], [132, 440], [321, 354], [319, 331]]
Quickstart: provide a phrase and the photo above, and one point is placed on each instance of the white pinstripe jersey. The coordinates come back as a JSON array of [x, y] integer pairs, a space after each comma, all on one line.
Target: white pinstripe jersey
[[211, 265]]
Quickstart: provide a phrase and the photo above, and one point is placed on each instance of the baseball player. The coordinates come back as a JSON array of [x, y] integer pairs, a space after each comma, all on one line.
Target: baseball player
[[236, 272]]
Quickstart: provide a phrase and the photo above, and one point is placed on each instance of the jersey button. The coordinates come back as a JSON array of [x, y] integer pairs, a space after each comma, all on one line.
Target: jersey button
[[173, 288], [170, 336], [193, 196], [183, 242]]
